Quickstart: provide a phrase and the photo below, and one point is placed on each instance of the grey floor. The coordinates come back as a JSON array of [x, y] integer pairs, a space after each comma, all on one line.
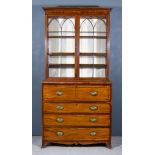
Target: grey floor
[[63, 150]]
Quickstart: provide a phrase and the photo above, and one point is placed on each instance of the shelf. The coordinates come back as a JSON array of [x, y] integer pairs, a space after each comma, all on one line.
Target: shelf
[[93, 65], [61, 54], [61, 36], [81, 37], [72, 54], [97, 37], [61, 65], [93, 54], [81, 65], [61, 31], [92, 32]]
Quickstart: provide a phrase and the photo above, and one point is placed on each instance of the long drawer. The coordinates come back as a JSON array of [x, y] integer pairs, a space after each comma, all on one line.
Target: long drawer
[[94, 93], [75, 134], [76, 120], [76, 107]]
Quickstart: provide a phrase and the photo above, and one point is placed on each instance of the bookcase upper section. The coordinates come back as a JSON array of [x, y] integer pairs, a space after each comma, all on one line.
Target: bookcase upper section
[[77, 42]]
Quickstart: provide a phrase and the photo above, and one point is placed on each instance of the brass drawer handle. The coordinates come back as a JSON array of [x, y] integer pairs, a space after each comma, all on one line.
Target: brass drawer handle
[[93, 107], [59, 107], [93, 93], [59, 119], [93, 119], [59, 93], [93, 133], [60, 133]]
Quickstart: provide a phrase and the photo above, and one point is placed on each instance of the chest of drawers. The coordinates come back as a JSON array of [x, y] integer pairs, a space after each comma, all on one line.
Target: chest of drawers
[[76, 114]]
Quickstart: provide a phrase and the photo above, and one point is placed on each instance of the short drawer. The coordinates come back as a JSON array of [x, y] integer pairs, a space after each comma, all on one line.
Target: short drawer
[[59, 92], [94, 93], [76, 134], [76, 107], [76, 120]]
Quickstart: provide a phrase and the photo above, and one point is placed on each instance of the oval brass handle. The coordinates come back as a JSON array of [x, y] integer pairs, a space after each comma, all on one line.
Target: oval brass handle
[[59, 93], [60, 133], [59, 107], [59, 119], [93, 133], [93, 107], [93, 119], [93, 93]]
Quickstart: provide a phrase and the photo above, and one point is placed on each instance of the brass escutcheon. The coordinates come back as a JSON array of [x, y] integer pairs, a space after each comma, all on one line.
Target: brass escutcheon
[[93, 133], [93, 93], [60, 133], [93, 107], [93, 119], [59, 107], [59, 93], [59, 119]]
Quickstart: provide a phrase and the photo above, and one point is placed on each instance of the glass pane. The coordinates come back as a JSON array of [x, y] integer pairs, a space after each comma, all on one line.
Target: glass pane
[[99, 72], [61, 45], [90, 72], [54, 72], [61, 26], [86, 27], [54, 27], [61, 59], [92, 45], [100, 45], [86, 72], [68, 27], [61, 72], [103, 34], [92, 60], [86, 45], [100, 26], [67, 72]]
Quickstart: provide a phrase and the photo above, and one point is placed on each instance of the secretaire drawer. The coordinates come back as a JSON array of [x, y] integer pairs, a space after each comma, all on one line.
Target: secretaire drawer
[[94, 93], [76, 107], [59, 92], [76, 134], [76, 120]]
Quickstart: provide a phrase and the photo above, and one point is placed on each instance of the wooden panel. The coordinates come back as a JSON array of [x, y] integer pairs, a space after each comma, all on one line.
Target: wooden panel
[[76, 107], [76, 134], [94, 93], [76, 120], [56, 92]]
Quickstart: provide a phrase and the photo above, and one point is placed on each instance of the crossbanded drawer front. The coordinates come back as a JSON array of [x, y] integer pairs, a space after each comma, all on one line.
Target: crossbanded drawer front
[[76, 120], [76, 107], [76, 134], [94, 93], [58, 92]]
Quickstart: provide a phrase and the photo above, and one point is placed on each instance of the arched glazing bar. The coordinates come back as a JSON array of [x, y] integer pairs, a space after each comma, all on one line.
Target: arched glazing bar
[[91, 29], [64, 26], [59, 31], [98, 27]]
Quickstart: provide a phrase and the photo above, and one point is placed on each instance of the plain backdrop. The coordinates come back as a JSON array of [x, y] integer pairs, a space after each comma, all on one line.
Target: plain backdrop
[[138, 76]]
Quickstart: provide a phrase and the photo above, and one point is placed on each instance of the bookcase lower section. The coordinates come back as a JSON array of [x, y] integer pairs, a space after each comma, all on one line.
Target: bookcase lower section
[[76, 114]]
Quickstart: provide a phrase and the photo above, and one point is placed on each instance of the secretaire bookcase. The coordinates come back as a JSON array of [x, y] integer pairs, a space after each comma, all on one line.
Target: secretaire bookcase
[[76, 91]]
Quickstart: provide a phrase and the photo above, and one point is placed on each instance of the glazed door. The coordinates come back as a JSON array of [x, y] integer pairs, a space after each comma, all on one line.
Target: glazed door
[[61, 46], [93, 47]]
